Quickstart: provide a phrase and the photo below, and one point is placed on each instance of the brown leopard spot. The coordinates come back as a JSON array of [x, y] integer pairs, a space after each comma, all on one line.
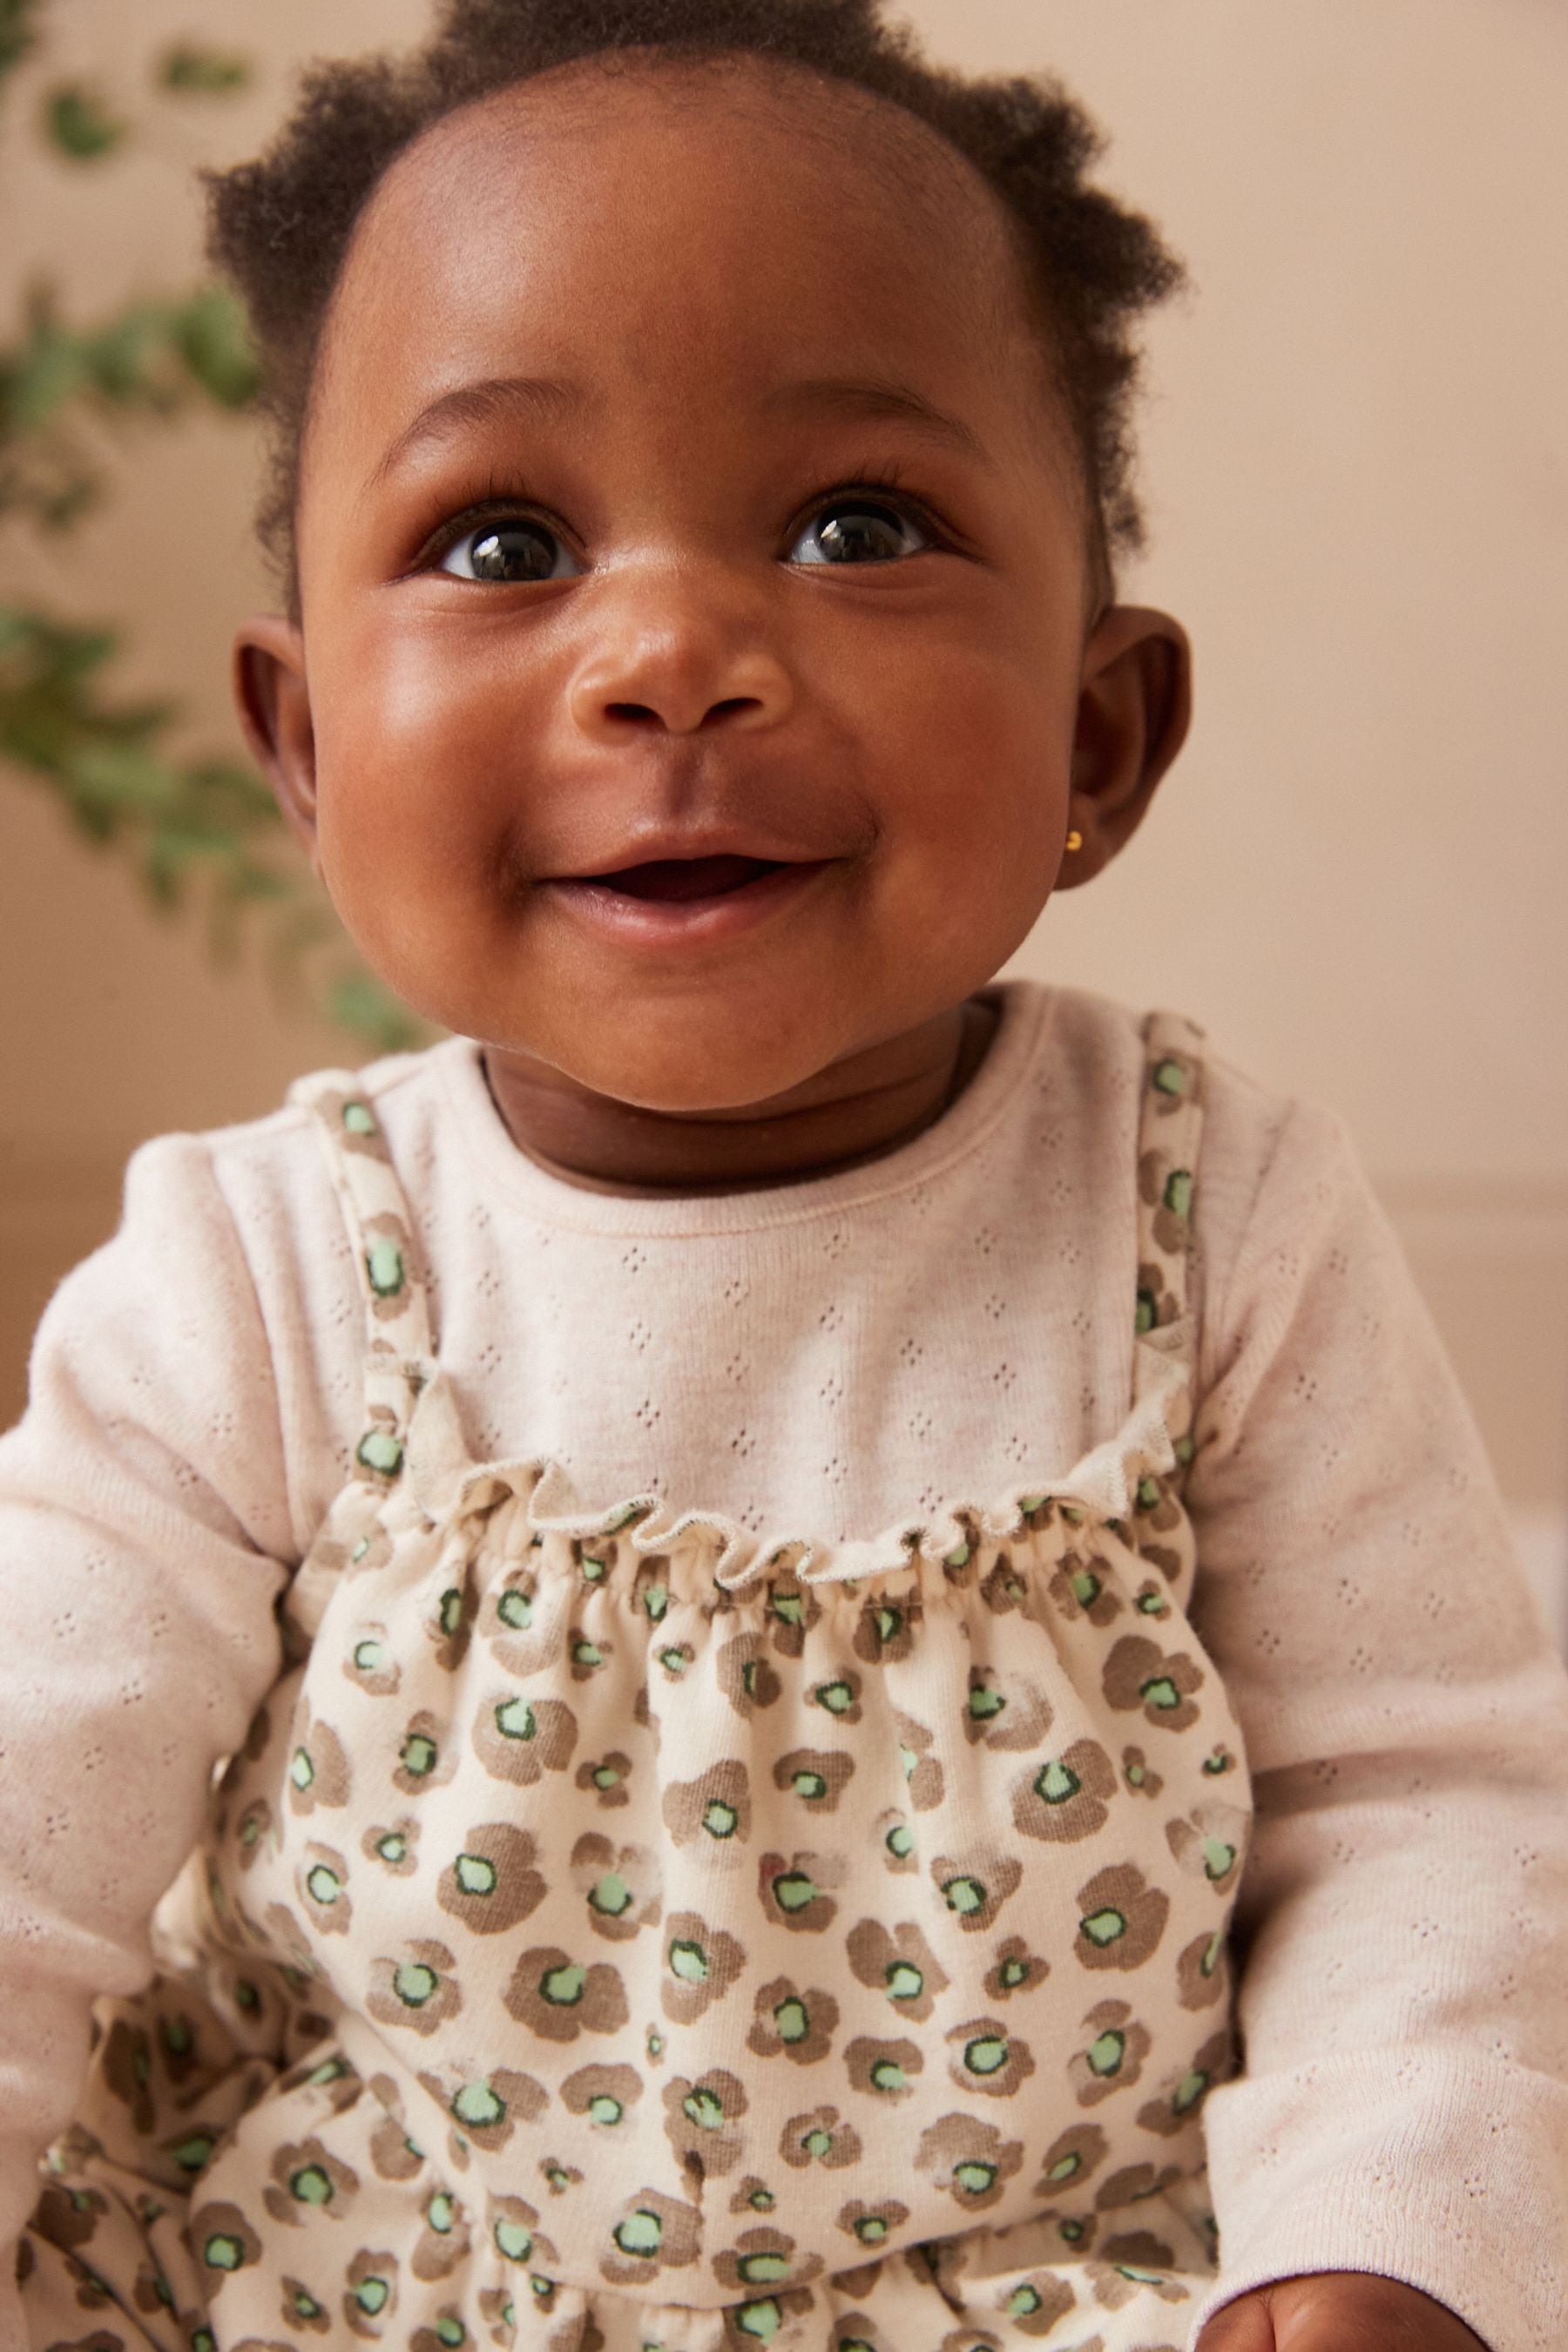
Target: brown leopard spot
[[1111, 2057], [871, 2226], [605, 1777], [1209, 1842], [318, 1767], [764, 2261], [559, 1998], [1062, 1799], [886, 1628], [713, 1812], [486, 2108], [902, 1966], [651, 2233], [223, 2242], [415, 1986], [969, 2161], [1139, 1775], [819, 2135], [745, 1675], [1015, 1970], [983, 2056], [128, 2072], [450, 1624], [1004, 1711], [790, 2023], [1202, 1971], [604, 2094], [1121, 1918], [1132, 2182], [1083, 1588], [394, 1845], [816, 1776], [253, 1830], [888, 2068], [518, 1740], [1070, 2159], [492, 1884], [320, 1881], [700, 2120], [791, 1612], [794, 1892], [701, 1964], [618, 1884], [68, 2218], [1181, 2097], [445, 2237], [974, 1886], [306, 2180]]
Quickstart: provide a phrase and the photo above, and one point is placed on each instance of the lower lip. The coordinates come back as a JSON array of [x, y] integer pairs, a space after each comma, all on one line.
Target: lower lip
[[685, 922]]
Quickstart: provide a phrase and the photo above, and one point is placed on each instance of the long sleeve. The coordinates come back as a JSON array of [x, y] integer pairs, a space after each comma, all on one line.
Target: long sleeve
[[1402, 1928], [144, 1531]]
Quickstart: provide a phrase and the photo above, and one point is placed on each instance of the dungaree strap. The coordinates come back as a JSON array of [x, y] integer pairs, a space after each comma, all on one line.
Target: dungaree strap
[[398, 1360], [1170, 1130]]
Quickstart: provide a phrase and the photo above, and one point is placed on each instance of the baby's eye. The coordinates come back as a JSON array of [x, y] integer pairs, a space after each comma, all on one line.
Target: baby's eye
[[858, 530], [512, 549]]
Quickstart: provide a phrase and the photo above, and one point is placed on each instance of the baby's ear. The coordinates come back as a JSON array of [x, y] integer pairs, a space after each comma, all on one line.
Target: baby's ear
[[1135, 704], [274, 705]]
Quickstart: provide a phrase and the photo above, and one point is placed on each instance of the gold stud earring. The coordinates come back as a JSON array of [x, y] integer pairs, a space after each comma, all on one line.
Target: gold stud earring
[[1074, 841]]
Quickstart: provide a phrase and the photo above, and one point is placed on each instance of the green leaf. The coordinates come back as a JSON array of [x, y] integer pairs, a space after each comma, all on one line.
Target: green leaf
[[17, 32], [359, 1002], [197, 72], [213, 338], [79, 124]]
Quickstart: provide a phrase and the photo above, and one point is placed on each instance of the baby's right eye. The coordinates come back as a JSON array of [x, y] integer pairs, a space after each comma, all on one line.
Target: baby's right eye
[[512, 549]]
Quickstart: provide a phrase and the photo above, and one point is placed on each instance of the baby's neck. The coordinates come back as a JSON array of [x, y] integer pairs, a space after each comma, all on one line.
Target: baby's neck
[[859, 1110]]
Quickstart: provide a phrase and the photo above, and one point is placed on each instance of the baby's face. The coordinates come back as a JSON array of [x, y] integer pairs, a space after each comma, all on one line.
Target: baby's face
[[616, 371]]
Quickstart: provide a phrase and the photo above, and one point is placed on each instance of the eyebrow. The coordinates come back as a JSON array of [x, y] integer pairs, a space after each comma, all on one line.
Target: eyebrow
[[541, 399]]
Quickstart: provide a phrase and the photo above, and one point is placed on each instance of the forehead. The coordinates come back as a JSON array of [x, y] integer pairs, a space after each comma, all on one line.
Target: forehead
[[729, 214]]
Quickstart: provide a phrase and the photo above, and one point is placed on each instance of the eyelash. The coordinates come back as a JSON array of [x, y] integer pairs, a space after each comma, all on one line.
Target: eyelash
[[511, 498]]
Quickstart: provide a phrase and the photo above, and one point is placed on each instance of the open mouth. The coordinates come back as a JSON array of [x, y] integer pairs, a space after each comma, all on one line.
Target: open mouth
[[676, 879]]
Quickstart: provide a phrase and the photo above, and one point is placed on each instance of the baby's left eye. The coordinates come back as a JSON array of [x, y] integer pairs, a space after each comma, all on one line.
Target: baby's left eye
[[859, 530]]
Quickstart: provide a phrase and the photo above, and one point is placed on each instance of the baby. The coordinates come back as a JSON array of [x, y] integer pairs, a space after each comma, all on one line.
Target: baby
[[788, 1647]]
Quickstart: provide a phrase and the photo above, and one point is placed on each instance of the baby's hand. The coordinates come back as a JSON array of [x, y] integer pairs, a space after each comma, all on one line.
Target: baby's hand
[[1337, 2310]]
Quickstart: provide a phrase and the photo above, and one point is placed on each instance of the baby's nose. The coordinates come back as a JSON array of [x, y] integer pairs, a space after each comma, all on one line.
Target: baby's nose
[[684, 665]]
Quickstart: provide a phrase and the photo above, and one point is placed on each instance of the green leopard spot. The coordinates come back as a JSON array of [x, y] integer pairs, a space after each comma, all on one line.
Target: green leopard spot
[[1152, 1604], [1105, 2053], [1207, 1964], [673, 1660], [451, 2332], [1086, 1588], [370, 1656], [1071, 2231], [588, 1653], [904, 1980], [1065, 2166], [193, 2153], [514, 1719], [540, 2287], [838, 1697], [957, 1557], [384, 1264], [593, 1567], [612, 1895], [418, 1755], [888, 1624], [604, 2110], [1185, 1449], [762, 2201], [330, 2070], [1168, 1077], [964, 1896], [870, 2229], [791, 2018], [973, 2177], [720, 1820], [1148, 1493], [475, 1875], [1217, 1857], [1057, 1781], [1137, 1774], [788, 1607], [177, 2036], [246, 1994], [641, 2233], [656, 1600], [1160, 1691], [1178, 1193], [414, 1984], [322, 1886], [562, 1987], [899, 1839], [703, 2109], [1189, 2091], [249, 1831], [515, 1609], [689, 1961], [1144, 1319], [393, 1847], [311, 2185], [985, 1701], [1023, 2301], [478, 2106], [514, 2242], [763, 2319], [360, 1549], [818, 2142], [1013, 1971], [887, 2074], [301, 1772], [605, 1776], [223, 2252], [1104, 1928], [1144, 2278], [204, 2340], [1218, 1762], [378, 1449], [449, 1616], [808, 1784], [763, 2270], [656, 2045], [986, 2054], [793, 1890], [440, 2214], [357, 1118]]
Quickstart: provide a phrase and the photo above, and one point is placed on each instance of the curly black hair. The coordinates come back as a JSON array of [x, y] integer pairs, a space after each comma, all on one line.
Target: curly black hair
[[279, 227]]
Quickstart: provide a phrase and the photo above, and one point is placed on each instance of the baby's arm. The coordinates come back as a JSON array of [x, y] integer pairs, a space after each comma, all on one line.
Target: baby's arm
[[1403, 1919], [143, 1524]]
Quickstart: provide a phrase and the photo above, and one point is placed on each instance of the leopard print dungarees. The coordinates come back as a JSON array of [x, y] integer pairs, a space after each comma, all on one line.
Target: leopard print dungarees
[[614, 1939]]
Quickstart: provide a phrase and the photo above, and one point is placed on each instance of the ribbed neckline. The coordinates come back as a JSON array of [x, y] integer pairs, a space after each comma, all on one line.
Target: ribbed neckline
[[1025, 1010]]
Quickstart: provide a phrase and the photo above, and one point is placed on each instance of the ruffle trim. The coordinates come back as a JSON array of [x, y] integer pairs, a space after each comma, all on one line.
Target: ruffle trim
[[1100, 1488]]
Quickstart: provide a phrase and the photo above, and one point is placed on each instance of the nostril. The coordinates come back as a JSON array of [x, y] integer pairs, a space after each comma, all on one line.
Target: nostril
[[629, 710]]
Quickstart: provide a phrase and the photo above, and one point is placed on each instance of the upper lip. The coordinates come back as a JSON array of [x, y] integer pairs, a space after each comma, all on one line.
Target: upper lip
[[673, 843]]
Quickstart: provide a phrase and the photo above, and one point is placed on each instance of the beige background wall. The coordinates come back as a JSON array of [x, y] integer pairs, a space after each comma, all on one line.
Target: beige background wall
[[1354, 456]]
